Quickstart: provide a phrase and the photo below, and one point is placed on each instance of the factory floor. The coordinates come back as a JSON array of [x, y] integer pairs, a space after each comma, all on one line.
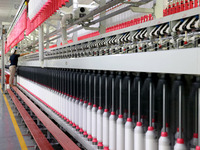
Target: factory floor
[[13, 133]]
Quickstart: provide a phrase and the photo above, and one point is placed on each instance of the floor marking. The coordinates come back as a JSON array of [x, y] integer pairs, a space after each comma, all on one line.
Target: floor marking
[[17, 130]]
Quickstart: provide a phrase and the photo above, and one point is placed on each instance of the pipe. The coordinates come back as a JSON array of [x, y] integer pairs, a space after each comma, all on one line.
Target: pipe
[[65, 18]]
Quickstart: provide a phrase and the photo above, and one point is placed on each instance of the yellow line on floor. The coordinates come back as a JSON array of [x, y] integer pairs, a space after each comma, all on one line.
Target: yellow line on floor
[[17, 130]]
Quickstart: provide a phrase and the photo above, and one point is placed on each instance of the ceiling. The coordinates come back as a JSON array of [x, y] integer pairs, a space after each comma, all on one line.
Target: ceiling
[[8, 9]]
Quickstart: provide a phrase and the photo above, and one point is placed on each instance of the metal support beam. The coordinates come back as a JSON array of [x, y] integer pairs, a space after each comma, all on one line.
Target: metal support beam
[[142, 10], [59, 39], [92, 28], [97, 1], [2, 59], [47, 31], [47, 23], [102, 26], [41, 45], [75, 34]]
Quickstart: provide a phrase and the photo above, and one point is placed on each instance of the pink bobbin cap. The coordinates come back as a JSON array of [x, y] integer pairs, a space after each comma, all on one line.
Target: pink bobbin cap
[[105, 110], [89, 136], [129, 120], [120, 116], [150, 128], [139, 124], [164, 134], [84, 133], [94, 140], [197, 147], [100, 107], [81, 130], [106, 148], [112, 113], [195, 135], [180, 141], [100, 144]]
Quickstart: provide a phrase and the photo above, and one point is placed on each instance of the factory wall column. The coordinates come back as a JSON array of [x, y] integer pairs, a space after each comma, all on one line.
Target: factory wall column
[[41, 45], [2, 58]]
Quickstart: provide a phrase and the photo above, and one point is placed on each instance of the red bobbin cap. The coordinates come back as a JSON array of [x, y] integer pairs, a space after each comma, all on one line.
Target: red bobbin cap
[[89, 136], [195, 135], [197, 147], [100, 144], [167, 125], [153, 120], [100, 107], [150, 128], [105, 110], [106, 148], [120, 116], [94, 105], [129, 119], [112, 113], [185, 42], [164, 134], [180, 141], [139, 124]]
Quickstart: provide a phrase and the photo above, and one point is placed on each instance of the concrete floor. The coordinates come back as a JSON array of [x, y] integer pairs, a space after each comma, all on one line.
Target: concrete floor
[[8, 137]]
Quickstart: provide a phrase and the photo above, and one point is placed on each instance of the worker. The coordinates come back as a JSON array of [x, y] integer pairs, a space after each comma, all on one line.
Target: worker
[[13, 64]]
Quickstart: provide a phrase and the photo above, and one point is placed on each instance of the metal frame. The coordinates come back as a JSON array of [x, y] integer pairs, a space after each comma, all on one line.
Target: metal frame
[[171, 61], [170, 18]]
